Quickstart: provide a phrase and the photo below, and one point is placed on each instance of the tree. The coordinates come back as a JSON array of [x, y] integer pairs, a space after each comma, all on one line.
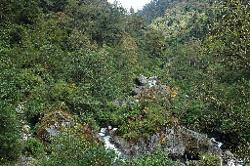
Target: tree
[[100, 20], [231, 34], [53, 5], [156, 8]]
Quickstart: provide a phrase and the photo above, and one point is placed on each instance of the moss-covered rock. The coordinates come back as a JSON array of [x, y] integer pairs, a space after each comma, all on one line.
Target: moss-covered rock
[[54, 122]]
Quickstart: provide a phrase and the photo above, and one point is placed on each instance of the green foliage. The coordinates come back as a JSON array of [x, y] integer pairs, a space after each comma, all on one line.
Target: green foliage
[[83, 55], [72, 150], [210, 159], [154, 42], [156, 8], [232, 32], [34, 148], [212, 79], [154, 159], [24, 12], [9, 85], [183, 21], [149, 120], [34, 110], [229, 68], [99, 19], [53, 5], [135, 120], [9, 134], [243, 152]]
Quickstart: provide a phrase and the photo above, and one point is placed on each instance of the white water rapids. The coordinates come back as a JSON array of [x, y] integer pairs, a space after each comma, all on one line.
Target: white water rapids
[[106, 138]]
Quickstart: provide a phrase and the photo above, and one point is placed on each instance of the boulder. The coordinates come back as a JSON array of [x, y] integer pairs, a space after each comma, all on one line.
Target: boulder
[[53, 123], [147, 81], [149, 88], [178, 142], [142, 80]]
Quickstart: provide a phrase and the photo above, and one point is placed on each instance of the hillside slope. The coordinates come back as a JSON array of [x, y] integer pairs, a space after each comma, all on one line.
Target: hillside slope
[[81, 77]]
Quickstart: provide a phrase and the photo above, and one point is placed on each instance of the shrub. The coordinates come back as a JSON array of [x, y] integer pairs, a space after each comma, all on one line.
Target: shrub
[[155, 159], [210, 159], [9, 133], [34, 147], [71, 150]]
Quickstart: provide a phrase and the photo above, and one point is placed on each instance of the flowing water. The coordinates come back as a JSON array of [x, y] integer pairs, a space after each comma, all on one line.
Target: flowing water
[[106, 138]]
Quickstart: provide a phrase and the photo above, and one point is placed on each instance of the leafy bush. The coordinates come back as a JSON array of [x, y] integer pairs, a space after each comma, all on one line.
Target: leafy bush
[[157, 158], [209, 159], [9, 133], [72, 150], [34, 148]]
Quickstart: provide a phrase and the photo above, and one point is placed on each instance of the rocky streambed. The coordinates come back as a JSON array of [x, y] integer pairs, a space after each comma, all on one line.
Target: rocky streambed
[[181, 143], [105, 135]]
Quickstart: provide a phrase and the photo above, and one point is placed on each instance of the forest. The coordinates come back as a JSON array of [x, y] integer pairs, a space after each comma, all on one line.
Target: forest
[[89, 83]]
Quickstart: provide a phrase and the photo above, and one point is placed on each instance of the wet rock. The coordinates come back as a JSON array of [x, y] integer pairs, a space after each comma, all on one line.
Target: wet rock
[[105, 136], [141, 146], [179, 142]]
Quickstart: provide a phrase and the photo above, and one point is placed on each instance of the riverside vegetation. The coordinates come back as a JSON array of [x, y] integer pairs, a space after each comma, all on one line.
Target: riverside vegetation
[[68, 68]]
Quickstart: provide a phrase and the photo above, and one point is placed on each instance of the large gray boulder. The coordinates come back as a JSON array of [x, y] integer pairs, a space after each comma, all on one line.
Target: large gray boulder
[[178, 142]]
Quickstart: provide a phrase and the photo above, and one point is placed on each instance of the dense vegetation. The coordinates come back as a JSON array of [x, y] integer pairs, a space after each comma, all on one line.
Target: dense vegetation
[[81, 55]]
